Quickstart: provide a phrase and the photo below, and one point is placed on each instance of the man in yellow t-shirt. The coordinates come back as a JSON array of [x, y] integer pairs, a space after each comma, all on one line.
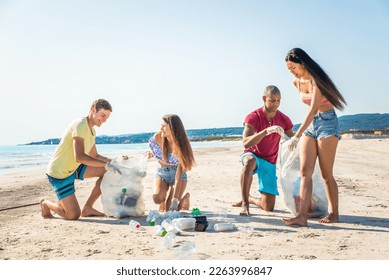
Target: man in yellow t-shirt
[[74, 158]]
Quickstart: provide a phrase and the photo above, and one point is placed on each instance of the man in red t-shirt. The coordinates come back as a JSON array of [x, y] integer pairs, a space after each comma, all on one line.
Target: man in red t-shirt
[[261, 137]]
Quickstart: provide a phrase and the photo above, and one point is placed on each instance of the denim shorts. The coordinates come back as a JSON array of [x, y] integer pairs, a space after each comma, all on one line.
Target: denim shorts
[[65, 187], [324, 124], [266, 172], [168, 174]]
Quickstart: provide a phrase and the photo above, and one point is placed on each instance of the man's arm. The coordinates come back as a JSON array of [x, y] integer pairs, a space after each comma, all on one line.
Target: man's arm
[[82, 157], [289, 132], [93, 153], [250, 138]]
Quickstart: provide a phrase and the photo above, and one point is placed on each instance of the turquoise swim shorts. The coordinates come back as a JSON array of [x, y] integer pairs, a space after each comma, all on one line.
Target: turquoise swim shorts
[[65, 187], [266, 172]]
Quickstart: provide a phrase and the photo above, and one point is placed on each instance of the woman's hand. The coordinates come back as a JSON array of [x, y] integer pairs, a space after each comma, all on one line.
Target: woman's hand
[[174, 205], [293, 143]]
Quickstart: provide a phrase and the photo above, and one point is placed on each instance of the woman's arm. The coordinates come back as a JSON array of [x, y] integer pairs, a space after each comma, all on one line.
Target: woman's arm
[[177, 189]]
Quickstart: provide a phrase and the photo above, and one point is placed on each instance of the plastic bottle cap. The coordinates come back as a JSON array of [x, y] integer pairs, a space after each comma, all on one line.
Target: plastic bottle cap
[[152, 223], [124, 190]]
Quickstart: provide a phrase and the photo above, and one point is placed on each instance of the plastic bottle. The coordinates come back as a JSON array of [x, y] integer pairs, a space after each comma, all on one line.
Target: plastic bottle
[[169, 239], [223, 227], [155, 221], [247, 229], [167, 225], [152, 218], [171, 215], [134, 224], [159, 230], [123, 196], [184, 223], [185, 250]]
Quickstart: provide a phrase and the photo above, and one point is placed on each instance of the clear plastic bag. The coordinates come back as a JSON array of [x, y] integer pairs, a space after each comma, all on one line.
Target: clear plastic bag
[[122, 195], [289, 173]]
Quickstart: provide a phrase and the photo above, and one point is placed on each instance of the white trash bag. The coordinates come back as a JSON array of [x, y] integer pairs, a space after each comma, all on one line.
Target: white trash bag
[[122, 195], [290, 182]]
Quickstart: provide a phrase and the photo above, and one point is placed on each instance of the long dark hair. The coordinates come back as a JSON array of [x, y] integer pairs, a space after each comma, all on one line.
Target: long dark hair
[[181, 146], [323, 81]]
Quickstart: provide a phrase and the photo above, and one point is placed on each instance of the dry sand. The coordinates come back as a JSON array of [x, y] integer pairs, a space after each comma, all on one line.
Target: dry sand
[[361, 170]]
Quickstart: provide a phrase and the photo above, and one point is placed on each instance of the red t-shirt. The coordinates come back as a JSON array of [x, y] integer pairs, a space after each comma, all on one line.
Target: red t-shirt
[[267, 148]]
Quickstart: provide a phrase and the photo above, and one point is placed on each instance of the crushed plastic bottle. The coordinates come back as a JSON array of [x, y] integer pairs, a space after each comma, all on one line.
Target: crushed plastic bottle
[[169, 239], [171, 215], [159, 230], [123, 196], [185, 250], [134, 224], [247, 229], [184, 223], [153, 218], [223, 227], [167, 225], [155, 221]]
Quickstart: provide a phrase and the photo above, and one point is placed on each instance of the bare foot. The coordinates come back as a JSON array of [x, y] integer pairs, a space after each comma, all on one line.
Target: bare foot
[[237, 204], [185, 202], [245, 211], [91, 212], [162, 207], [297, 221], [252, 200], [46, 213], [331, 218]]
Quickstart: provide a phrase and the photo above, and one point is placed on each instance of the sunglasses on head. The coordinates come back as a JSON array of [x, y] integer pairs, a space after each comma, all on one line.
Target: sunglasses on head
[[292, 57]]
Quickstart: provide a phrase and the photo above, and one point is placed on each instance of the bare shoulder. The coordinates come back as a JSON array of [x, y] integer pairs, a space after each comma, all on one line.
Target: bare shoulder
[[158, 137], [296, 82]]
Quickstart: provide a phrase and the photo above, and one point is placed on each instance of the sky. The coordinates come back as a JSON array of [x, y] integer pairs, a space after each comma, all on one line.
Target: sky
[[207, 61]]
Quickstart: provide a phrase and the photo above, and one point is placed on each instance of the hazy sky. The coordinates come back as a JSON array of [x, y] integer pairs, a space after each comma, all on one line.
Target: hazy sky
[[207, 61]]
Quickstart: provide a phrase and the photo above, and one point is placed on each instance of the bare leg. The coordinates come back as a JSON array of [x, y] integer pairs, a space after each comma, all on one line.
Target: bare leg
[[184, 202], [308, 154], [88, 210], [246, 179], [159, 194], [168, 200], [67, 208], [327, 150]]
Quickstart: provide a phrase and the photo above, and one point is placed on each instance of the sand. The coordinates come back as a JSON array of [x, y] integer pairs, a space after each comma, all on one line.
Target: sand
[[361, 170]]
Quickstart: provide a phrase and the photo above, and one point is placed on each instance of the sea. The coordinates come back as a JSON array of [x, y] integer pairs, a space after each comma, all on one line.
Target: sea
[[25, 158]]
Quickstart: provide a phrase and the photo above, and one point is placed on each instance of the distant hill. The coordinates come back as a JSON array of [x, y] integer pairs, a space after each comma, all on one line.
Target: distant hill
[[348, 123], [361, 122]]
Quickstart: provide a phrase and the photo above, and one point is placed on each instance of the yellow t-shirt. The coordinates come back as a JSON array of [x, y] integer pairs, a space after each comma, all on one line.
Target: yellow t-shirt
[[63, 162]]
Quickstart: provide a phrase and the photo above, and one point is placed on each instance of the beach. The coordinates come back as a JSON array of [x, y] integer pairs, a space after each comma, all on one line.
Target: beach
[[361, 170]]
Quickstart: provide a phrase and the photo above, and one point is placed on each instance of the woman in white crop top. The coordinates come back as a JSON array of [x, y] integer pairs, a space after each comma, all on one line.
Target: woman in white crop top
[[319, 132]]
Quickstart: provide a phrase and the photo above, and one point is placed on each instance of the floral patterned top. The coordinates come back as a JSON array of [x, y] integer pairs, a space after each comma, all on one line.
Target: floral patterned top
[[157, 152]]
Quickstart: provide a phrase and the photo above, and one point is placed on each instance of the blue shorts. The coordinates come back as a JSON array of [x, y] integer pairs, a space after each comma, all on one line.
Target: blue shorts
[[168, 174], [65, 187], [266, 172], [324, 124]]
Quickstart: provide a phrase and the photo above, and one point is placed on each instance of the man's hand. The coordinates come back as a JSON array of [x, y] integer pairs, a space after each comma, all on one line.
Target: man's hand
[[293, 143], [274, 129], [113, 167]]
